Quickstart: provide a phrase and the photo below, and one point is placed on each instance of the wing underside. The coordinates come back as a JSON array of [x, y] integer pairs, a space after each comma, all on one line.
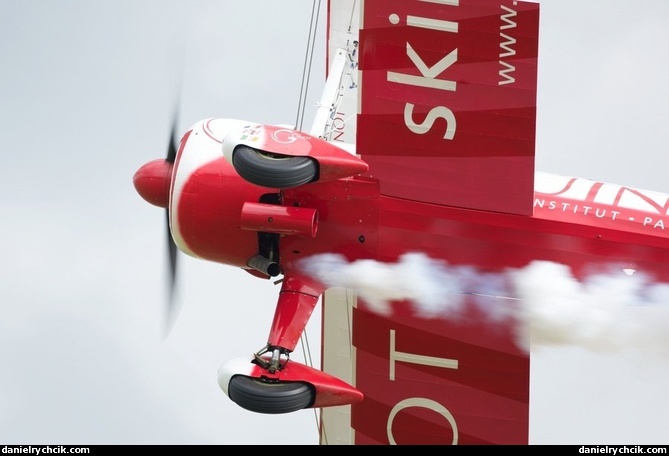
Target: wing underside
[[444, 96]]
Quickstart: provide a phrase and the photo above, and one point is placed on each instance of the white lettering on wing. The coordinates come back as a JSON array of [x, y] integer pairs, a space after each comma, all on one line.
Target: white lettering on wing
[[506, 43], [428, 76], [604, 201]]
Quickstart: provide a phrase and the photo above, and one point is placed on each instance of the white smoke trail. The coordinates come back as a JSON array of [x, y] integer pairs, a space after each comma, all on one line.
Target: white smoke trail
[[603, 312], [430, 283]]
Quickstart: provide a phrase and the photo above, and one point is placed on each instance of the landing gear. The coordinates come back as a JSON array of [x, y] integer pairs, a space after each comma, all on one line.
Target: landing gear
[[272, 170], [292, 387], [274, 362], [270, 396], [265, 394], [268, 381]]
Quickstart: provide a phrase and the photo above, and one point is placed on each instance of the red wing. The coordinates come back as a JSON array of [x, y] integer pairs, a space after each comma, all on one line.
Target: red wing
[[445, 98], [447, 101]]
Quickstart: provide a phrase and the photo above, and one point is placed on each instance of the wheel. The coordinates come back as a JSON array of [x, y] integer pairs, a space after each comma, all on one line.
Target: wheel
[[271, 170], [272, 397]]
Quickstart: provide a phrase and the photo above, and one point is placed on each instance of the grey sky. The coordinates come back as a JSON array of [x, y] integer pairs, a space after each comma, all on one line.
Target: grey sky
[[87, 91]]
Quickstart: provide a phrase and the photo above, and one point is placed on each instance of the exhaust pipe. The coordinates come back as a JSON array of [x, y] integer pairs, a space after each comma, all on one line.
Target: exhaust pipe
[[262, 264], [273, 218]]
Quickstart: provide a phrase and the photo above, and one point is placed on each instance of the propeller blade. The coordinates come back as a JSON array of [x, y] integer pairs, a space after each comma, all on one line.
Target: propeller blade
[[172, 250], [172, 148], [171, 245]]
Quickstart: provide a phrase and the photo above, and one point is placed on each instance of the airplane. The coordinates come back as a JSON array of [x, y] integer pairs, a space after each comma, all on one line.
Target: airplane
[[420, 159]]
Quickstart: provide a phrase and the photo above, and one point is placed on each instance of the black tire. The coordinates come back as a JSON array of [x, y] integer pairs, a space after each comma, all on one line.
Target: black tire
[[271, 170], [271, 397]]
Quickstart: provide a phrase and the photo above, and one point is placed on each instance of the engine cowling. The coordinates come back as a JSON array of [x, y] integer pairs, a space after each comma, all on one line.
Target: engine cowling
[[207, 198]]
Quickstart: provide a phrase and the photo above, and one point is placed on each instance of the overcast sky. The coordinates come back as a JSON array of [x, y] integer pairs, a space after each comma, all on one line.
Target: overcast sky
[[87, 92]]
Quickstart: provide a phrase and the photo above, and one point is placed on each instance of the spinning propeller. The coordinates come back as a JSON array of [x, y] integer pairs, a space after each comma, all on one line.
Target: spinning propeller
[[171, 246], [152, 181]]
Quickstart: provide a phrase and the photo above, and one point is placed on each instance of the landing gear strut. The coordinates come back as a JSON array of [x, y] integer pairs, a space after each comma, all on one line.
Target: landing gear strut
[[274, 362]]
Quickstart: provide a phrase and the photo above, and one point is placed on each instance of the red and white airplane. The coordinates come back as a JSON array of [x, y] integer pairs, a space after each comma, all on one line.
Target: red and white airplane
[[420, 160]]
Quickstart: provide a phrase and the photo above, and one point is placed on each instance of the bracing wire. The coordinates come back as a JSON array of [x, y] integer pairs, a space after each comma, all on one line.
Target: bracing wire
[[350, 19], [308, 61], [304, 88], [304, 340]]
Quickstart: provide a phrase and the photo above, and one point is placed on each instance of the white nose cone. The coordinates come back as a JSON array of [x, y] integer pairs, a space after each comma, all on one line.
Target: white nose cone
[[237, 366]]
